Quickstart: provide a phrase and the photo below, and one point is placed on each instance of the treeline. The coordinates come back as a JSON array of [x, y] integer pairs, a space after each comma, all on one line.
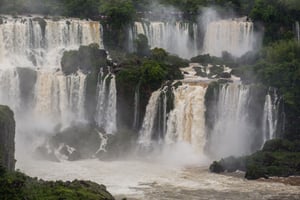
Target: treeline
[[277, 16]]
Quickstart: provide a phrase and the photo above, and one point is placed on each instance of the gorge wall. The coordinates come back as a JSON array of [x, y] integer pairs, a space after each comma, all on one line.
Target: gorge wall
[[7, 138]]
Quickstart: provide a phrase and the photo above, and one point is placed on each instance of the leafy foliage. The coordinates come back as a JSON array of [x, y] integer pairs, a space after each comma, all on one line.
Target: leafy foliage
[[279, 67], [142, 47], [17, 186], [277, 158]]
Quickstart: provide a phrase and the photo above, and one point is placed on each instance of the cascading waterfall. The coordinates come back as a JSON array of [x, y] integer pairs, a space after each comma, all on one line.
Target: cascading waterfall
[[136, 114], [10, 88], [174, 37], [298, 32], [106, 111], [271, 115], [103, 143], [235, 36], [31, 80], [233, 130], [38, 44], [60, 97], [147, 129], [186, 121]]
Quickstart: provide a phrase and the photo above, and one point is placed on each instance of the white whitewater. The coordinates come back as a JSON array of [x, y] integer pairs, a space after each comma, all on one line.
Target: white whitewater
[[157, 180], [25, 43], [186, 121], [174, 37], [60, 98], [37, 45], [271, 115], [103, 142], [147, 129], [231, 134], [106, 110], [10, 88], [235, 36], [185, 124]]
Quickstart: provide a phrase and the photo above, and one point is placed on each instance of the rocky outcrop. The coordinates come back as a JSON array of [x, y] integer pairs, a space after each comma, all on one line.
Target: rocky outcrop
[[86, 58], [79, 141], [278, 157], [7, 138]]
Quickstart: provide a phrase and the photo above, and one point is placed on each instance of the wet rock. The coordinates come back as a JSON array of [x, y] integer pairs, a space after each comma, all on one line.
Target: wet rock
[[7, 138]]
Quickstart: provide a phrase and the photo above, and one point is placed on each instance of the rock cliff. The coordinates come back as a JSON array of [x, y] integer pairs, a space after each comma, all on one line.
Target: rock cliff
[[7, 138]]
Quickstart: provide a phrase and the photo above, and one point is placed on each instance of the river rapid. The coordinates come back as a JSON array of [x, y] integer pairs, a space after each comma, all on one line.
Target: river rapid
[[155, 179]]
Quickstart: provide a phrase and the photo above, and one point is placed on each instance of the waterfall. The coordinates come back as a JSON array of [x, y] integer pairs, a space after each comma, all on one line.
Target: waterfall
[[187, 121], [233, 131], [106, 110], [271, 115], [10, 88], [103, 142], [31, 80], [60, 98], [147, 129], [174, 37], [136, 115], [297, 31], [235, 36], [184, 123], [25, 42]]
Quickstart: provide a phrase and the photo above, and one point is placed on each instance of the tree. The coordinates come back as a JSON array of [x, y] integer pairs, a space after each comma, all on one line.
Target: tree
[[119, 12], [142, 47]]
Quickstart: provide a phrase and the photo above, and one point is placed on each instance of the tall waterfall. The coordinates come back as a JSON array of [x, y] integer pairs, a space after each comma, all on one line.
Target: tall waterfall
[[148, 127], [136, 114], [271, 115], [106, 111], [235, 36], [60, 97], [185, 123], [298, 32], [36, 42], [37, 45], [232, 131], [178, 37], [10, 88]]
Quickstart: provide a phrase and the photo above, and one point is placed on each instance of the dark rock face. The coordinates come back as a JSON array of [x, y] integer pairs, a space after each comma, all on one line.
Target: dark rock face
[[7, 138], [87, 59], [76, 142]]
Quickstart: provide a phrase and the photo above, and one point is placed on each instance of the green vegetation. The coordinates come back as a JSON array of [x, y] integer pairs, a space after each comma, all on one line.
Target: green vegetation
[[277, 16], [146, 74], [277, 158], [279, 67], [151, 71], [142, 46], [118, 14], [18, 186], [87, 59]]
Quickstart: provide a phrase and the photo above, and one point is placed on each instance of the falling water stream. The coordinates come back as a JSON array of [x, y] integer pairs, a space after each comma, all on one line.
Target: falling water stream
[[54, 99]]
